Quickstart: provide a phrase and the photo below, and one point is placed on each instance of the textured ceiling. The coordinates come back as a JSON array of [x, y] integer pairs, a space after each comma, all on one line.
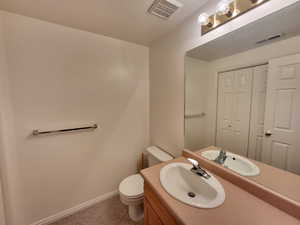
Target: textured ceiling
[[122, 19]]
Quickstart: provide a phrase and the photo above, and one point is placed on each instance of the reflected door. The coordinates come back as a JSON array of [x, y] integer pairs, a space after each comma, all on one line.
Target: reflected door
[[234, 101], [258, 112], [282, 118]]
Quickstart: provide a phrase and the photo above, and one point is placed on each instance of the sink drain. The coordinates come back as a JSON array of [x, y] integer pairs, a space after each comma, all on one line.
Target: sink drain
[[191, 194]]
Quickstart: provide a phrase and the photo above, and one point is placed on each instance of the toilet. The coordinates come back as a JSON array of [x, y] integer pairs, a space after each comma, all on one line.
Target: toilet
[[131, 189]]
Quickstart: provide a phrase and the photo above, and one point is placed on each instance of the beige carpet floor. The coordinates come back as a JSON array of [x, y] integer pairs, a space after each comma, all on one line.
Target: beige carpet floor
[[109, 212]]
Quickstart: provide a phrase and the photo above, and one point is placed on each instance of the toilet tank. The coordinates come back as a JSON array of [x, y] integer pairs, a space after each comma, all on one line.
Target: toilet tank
[[156, 156]]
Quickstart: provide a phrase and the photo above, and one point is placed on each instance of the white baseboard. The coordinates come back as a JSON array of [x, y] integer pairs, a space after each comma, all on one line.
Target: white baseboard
[[75, 209]]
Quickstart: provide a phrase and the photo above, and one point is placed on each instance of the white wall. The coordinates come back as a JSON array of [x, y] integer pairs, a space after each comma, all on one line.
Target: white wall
[[3, 72], [167, 71], [61, 77], [3, 75], [196, 87]]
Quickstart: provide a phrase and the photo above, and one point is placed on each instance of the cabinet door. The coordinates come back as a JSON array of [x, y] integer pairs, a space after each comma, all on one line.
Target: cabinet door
[[151, 218]]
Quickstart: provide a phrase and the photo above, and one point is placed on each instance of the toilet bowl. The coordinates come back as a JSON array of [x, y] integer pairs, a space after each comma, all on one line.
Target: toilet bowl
[[131, 192], [131, 189]]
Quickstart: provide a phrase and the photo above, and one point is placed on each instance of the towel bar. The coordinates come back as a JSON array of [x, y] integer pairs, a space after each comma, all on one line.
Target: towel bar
[[38, 132]]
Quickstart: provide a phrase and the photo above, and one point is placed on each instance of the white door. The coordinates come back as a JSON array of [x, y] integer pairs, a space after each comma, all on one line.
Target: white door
[[282, 118], [225, 112], [258, 112], [234, 101]]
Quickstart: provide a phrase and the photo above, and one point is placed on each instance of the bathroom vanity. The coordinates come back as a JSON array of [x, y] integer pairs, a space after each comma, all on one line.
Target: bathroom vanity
[[155, 212], [268, 181], [162, 209]]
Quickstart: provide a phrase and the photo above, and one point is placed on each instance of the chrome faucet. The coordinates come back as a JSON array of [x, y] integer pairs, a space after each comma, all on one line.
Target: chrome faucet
[[198, 170], [221, 157]]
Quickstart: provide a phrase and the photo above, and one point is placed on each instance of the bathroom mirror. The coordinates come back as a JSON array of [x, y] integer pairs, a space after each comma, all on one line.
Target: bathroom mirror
[[242, 95]]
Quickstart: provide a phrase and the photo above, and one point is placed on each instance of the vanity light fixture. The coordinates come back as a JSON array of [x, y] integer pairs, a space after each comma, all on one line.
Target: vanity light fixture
[[227, 10], [204, 20], [255, 1], [223, 8]]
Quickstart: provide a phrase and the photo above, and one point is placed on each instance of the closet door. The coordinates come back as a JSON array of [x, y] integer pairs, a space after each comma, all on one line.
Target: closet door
[[258, 112], [226, 89], [282, 118], [234, 101]]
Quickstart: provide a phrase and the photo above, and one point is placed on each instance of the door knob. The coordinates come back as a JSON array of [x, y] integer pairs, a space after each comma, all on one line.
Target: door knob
[[268, 133]]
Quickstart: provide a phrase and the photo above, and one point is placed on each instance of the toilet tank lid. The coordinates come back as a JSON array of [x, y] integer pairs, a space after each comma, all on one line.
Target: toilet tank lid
[[159, 154]]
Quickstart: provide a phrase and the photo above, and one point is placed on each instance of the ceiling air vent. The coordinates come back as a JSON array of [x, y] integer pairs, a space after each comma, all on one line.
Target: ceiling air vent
[[164, 8]]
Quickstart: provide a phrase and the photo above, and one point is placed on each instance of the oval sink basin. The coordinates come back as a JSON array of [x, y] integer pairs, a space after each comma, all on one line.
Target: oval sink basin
[[234, 162], [187, 187]]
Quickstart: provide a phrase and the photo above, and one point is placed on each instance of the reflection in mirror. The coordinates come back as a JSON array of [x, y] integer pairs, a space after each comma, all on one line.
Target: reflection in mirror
[[242, 95]]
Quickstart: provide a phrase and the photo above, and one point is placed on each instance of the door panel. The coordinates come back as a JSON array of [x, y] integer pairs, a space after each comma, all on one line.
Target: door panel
[[284, 108], [234, 100], [282, 121], [225, 112], [258, 112], [279, 155]]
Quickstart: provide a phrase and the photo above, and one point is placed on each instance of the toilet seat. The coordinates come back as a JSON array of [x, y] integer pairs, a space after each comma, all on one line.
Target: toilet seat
[[132, 188]]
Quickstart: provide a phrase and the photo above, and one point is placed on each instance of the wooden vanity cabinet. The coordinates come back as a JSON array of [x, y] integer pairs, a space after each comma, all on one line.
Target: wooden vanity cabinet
[[151, 218], [155, 212]]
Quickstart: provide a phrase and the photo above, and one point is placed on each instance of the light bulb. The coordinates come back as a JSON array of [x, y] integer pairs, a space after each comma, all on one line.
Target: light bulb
[[203, 19], [223, 8], [256, 1]]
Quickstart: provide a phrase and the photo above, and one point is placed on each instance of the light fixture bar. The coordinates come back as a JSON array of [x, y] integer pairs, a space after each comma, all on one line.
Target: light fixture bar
[[227, 10]]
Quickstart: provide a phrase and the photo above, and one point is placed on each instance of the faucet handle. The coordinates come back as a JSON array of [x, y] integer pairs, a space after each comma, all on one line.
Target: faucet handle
[[197, 169], [194, 163]]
